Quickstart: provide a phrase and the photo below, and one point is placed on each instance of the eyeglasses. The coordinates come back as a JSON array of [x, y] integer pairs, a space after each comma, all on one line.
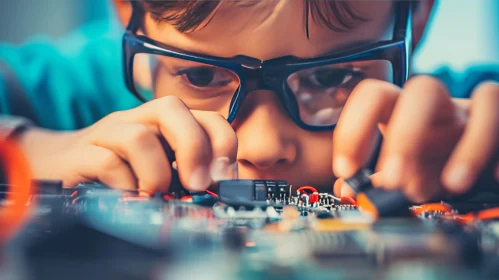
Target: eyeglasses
[[313, 91]]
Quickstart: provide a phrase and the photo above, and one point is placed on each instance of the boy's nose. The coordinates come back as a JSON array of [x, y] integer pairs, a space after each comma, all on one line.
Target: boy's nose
[[267, 137]]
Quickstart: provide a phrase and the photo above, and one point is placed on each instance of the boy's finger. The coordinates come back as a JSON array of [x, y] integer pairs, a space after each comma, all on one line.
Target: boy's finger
[[104, 165], [338, 186], [370, 103], [141, 148], [423, 104], [223, 142], [479, 143], [222, 136], [172, 119]]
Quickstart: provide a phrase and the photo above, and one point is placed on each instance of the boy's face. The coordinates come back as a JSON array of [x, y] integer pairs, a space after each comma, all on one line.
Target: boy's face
[[270, 144]]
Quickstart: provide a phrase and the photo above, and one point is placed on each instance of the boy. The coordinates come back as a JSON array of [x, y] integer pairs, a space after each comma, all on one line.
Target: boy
[[198, 64]]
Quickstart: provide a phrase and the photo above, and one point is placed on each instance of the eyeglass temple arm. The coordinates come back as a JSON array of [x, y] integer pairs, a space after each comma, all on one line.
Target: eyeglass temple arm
[[135, 20]]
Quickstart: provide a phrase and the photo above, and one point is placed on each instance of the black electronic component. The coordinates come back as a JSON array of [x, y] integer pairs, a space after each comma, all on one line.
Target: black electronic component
[[48, 187], [38, 187], [261, 190], [382, 203], [236, 190], [248, 191], [282, 191], [360, 181]]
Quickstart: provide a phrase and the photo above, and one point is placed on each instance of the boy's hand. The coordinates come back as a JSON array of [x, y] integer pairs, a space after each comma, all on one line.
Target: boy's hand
[[432, 143], [123, 150]]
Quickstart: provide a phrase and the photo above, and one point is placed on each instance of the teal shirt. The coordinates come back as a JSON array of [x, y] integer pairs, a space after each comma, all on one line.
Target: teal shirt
[[65, 84], [73, 82]]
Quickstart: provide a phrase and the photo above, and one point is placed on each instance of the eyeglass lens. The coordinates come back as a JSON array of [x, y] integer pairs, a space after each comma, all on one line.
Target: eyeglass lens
[[321, 92]]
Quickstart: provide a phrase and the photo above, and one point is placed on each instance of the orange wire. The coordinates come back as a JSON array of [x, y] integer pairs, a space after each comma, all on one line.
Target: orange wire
[[348, 200], [75, 200], [168, 197], [432, 207], [484, 215], [466, 218], [19, 179], [488, 214]]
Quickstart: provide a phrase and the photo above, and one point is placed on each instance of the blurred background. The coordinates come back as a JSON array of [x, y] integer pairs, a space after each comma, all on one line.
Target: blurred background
[[21, 19], [464, 32]]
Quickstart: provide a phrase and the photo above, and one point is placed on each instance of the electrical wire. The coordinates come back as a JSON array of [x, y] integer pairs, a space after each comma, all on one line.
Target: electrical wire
[[306, 188], [212, 193]]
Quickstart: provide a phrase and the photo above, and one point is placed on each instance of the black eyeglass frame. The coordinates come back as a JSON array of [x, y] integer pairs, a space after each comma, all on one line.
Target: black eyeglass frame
[[255, 74]]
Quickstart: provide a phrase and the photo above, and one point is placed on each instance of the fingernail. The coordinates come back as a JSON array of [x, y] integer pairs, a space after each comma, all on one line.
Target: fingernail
[[200, 179], [342, 167], [223, 169], [392, 170], [459, 178]]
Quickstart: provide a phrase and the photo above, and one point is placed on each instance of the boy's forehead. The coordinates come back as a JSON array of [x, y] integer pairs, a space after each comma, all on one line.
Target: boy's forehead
[[269, 29]]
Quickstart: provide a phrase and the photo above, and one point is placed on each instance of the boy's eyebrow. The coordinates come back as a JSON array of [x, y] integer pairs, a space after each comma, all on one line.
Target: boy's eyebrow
[[349, 45]]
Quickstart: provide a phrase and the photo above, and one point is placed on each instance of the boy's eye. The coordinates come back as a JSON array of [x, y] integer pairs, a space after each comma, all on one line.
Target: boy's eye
[[330, 77], [200, 76], [206, 76]]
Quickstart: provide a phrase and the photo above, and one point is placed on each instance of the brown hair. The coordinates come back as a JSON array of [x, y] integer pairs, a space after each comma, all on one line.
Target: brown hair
[[187, 15]]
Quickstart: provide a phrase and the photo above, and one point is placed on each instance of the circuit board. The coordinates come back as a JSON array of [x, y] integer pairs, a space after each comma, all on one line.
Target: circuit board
[[245, 230]]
